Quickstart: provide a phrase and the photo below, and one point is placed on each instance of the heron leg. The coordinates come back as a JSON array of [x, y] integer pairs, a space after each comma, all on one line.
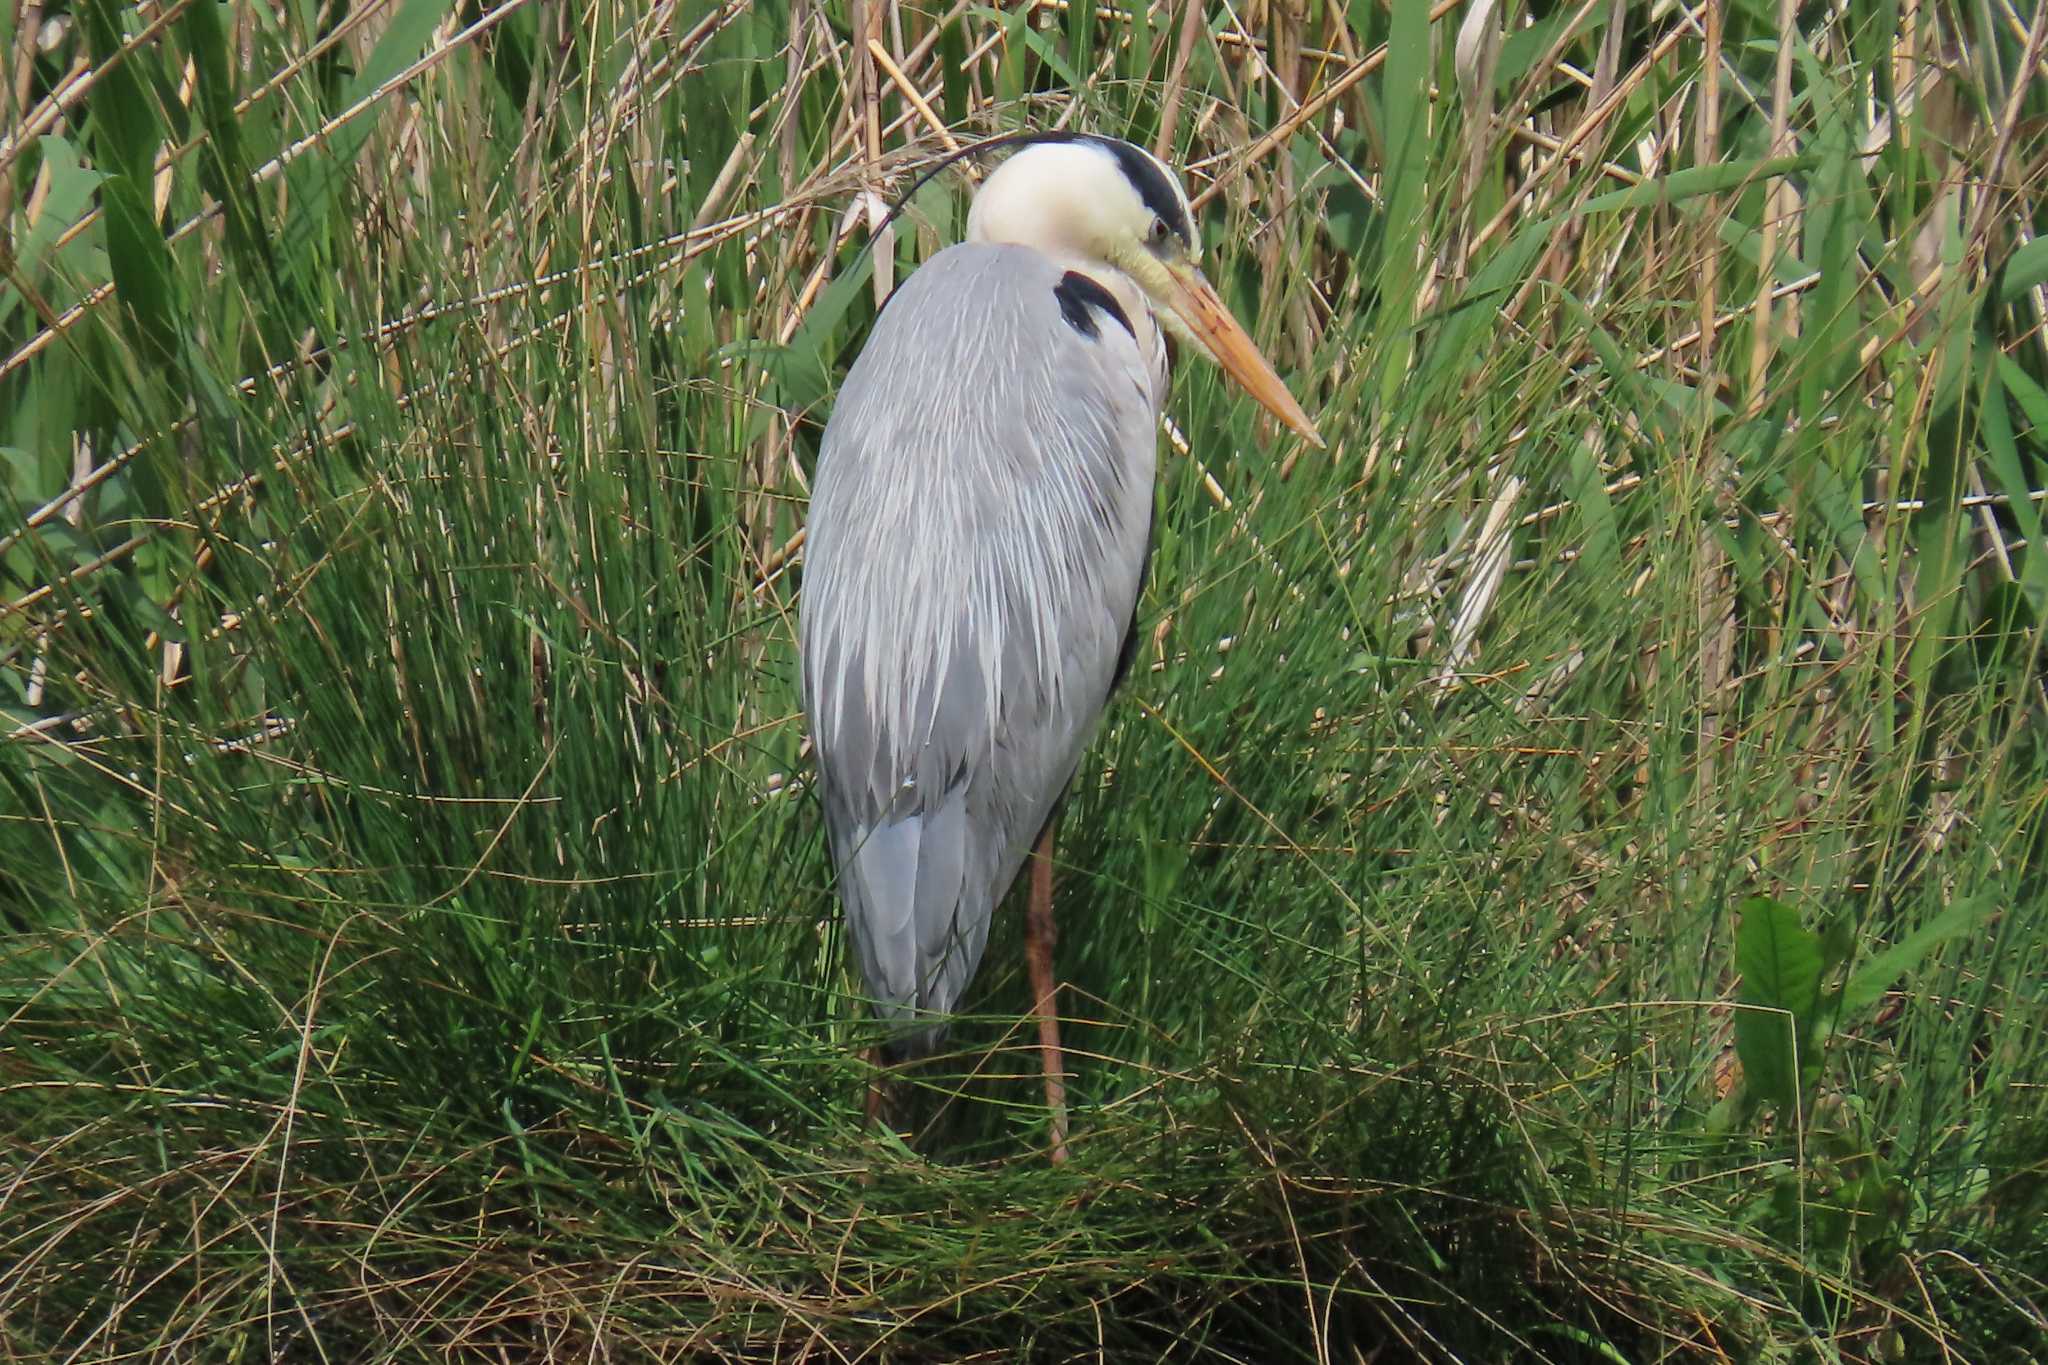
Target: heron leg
[[1039, 937], [873, 1108]]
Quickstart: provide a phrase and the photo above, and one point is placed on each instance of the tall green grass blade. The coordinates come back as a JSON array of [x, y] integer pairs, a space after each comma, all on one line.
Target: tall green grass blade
[[1405, 111], [315, 179], [143, 278], [1694, 182], [126, 131], [2025, 269], [1868, 983]]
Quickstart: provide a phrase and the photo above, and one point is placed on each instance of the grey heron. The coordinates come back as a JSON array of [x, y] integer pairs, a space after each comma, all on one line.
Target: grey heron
[[975, 547]]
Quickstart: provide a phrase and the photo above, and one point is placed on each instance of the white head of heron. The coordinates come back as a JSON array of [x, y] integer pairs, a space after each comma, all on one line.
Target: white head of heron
[[1105, 203]]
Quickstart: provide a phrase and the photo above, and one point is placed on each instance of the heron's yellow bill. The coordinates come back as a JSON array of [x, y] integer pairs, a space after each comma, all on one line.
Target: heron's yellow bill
[[1193, 299]]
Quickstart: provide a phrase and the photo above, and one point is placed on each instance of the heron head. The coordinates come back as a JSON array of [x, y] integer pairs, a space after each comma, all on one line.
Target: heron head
[[1105, 200]]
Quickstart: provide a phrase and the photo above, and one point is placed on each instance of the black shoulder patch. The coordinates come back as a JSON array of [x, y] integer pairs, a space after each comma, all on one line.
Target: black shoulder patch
[[1077, 294]]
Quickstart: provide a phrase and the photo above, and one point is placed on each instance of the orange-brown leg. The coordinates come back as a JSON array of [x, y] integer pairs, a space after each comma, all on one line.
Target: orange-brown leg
[[1039, 938], [876, 1085]]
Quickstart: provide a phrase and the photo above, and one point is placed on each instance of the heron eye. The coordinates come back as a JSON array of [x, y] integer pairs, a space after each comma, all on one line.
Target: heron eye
[[1158, 232]]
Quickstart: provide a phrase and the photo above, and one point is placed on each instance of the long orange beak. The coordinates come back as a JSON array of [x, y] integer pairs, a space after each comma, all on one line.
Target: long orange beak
[[1193, 299]]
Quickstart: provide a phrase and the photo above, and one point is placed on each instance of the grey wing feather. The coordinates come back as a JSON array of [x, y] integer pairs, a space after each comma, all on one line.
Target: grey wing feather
[[976, 542]]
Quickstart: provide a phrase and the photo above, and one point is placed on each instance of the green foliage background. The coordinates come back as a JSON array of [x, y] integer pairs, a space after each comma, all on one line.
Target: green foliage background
[[1564, 882]]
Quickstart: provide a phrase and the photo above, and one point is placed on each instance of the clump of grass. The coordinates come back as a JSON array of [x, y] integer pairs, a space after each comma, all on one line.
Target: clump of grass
[[1562, 882]]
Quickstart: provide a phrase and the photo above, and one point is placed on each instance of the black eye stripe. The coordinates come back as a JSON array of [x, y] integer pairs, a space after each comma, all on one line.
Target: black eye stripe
[[1151, 184], [1153, 187]]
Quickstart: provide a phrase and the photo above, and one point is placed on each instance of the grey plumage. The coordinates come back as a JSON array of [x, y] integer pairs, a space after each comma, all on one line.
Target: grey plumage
[[977, 536]]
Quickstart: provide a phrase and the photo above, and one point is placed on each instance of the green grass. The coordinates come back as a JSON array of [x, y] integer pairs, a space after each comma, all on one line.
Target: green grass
[[1564, 882]]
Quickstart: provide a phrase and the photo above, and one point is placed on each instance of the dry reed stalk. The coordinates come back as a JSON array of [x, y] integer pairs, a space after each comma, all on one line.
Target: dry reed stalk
[[1716, 589]]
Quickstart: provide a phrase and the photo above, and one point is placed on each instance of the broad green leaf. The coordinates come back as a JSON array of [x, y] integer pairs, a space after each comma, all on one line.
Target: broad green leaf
[[66, 541], [72, 183], [69, 196], [1780, 962]]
